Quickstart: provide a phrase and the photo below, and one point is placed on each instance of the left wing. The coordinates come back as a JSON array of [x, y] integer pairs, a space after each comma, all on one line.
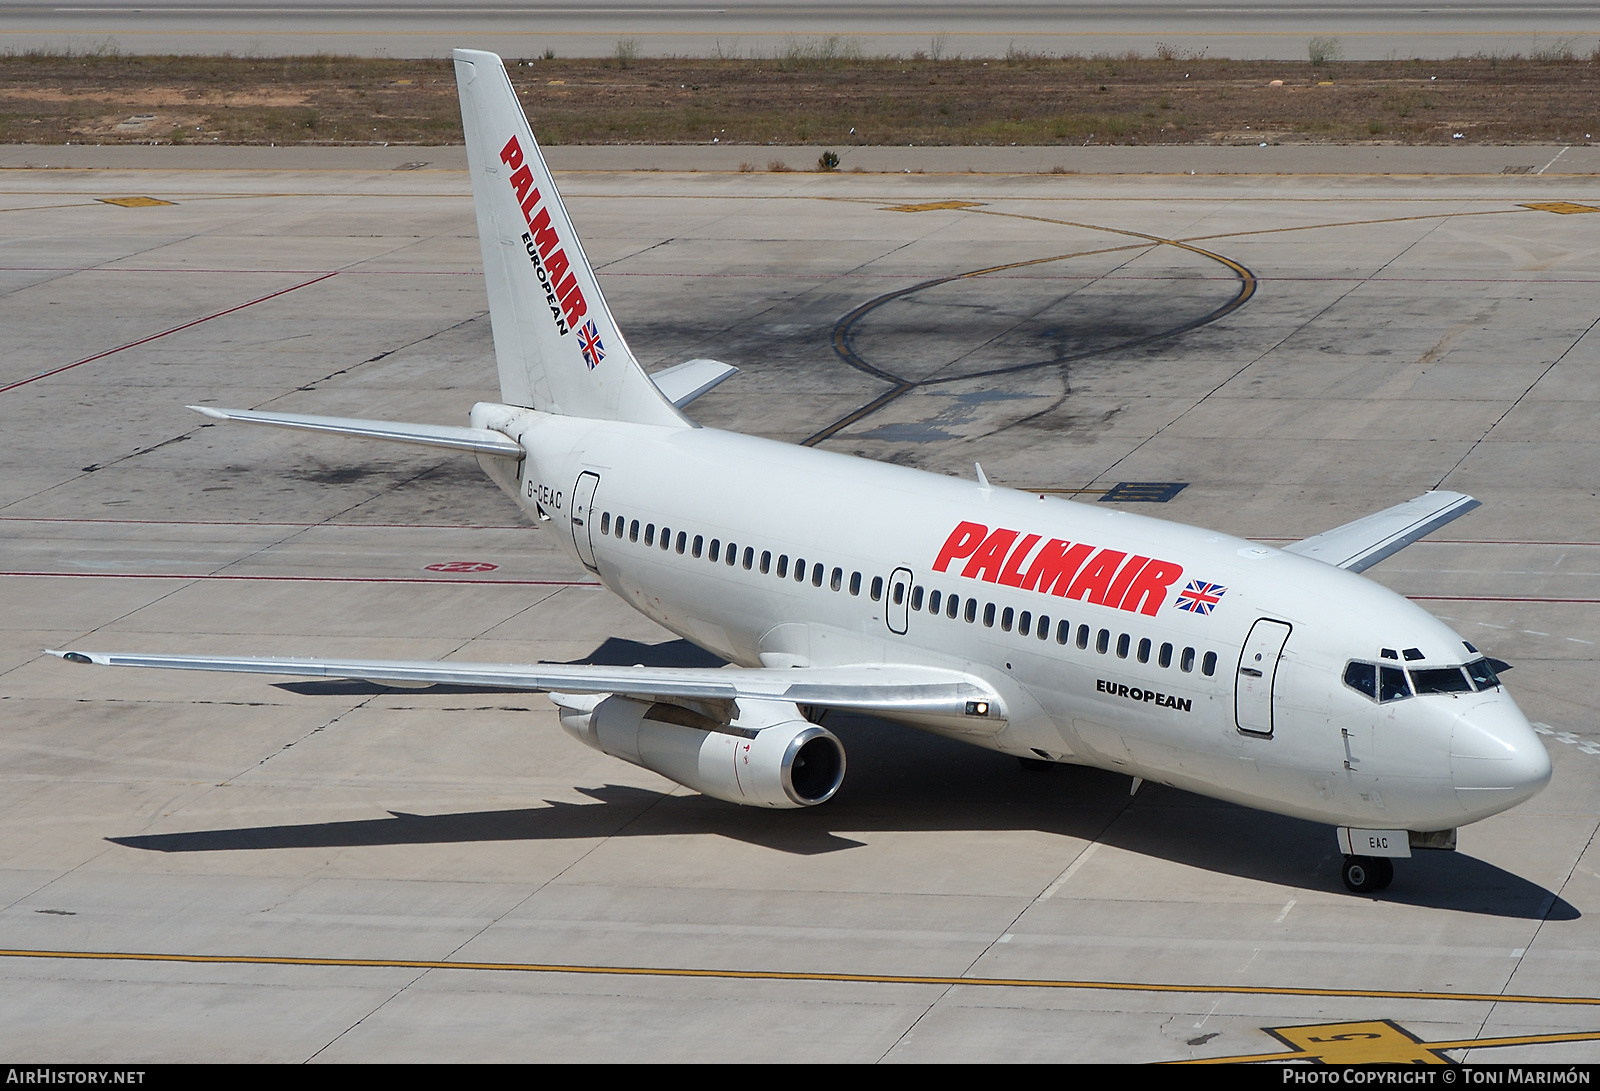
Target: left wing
[[914, 692], [1359, 545]]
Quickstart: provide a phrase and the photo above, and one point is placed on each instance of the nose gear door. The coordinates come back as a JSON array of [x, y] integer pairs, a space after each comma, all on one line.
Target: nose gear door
[[1258, 668]]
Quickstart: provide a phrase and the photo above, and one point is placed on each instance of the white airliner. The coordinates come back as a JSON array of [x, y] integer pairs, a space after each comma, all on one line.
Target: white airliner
[[1050, 630]]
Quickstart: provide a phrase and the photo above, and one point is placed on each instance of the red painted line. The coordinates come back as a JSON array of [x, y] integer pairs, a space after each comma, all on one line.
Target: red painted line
[[266, 523], [1494, 598], [163, 333], [295, 579]]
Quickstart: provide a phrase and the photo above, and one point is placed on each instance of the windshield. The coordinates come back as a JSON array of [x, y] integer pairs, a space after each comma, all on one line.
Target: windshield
[[1383, 682]]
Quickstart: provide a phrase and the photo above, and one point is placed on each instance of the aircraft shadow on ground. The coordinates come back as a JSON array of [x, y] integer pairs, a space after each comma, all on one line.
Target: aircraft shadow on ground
[[905, 781]]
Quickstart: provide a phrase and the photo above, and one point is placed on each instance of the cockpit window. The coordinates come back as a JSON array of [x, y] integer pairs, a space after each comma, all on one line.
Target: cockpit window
[[1441, 680], [1482, 674], [1392, 685], [1363, 678]]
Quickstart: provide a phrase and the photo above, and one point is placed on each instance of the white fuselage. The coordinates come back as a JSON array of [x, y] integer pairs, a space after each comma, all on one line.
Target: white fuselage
[[1146, 688]]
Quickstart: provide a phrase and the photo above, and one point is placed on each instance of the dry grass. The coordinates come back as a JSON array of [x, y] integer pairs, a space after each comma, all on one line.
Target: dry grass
[[837, 99]]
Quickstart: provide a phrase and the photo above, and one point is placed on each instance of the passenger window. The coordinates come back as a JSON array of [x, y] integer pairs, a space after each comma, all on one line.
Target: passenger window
[[1208, 665], [749, 558], [1102, 641], [952, 606], [816, 575], [1063, 631], [766, 561], [1083, 636], [605, 523], [899, 593], [988, 616], [682, 540], [933, 602], [633, 531], [783, 566], [716, 550], [1440, 680], [836, 580], [620, 521], [1363, 678], [699, 541], [666, 537], [1186, 664], [916, 598], [876, 592], [730, 555], [650, 534], [1025, 623], [1166, 655], [1006, 617], [1122, 646], [972, 611], [855, 583], [1144, 650], [1392, 684]]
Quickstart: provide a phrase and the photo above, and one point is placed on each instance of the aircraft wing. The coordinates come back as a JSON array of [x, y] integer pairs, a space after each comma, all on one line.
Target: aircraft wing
[[1359, 545], [887, 688]]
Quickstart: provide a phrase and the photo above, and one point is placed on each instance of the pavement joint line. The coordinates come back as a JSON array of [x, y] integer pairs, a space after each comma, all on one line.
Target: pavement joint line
[[155, 336], [802, 975]]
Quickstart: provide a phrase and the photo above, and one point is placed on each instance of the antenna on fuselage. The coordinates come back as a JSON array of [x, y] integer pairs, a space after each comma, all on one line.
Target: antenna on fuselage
[[983, 480]]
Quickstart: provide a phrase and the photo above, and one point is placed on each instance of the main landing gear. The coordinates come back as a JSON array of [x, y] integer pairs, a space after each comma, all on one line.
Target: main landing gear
[[1367, 874]]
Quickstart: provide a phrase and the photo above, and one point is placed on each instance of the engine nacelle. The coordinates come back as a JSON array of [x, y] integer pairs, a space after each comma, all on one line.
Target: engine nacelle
[[769, 757]]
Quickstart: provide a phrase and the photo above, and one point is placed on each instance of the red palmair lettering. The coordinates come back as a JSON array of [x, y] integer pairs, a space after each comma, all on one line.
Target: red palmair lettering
[[543, 233], [1105, 577]]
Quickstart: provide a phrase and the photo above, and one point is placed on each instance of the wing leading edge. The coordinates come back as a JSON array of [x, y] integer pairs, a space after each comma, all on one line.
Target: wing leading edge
[[923, 693], [1359, 545]]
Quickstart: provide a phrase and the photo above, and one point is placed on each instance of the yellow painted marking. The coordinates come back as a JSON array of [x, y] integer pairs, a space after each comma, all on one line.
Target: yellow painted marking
[[1376, 1042], [797, 975], [935, 206], [1562, 208], [133, 202], [1380, 1041]]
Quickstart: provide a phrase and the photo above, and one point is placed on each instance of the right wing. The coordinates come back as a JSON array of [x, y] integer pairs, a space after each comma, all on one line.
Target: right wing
[[1359, 545]]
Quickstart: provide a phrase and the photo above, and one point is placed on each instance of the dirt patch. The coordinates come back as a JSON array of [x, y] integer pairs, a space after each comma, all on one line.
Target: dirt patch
[[873, 101]]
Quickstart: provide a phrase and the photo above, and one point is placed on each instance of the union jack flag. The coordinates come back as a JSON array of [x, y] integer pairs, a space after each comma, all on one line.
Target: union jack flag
[[1200, 597], [589, 341]]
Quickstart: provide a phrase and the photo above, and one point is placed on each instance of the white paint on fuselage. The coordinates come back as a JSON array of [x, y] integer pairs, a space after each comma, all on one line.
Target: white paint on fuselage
[[1335, 756]]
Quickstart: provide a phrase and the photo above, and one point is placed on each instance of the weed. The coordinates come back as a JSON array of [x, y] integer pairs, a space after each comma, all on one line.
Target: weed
[[627, 51], [828, 161], [1324, 49], [778, 166]]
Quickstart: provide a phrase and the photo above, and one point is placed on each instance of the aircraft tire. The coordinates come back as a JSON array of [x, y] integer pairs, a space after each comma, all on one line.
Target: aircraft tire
[[1367, 874]]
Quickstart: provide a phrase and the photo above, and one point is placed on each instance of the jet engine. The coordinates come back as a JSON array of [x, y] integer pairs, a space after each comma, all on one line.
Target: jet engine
[[768, 756]]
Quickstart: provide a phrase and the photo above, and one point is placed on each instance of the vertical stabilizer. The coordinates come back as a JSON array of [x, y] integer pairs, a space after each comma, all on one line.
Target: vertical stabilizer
[[558, 348]]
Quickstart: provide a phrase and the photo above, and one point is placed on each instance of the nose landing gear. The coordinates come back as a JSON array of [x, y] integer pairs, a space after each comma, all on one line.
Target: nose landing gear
[[1367, 874]]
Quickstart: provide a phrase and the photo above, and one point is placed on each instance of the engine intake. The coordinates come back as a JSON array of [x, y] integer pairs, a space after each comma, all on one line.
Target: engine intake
[[770, 756]]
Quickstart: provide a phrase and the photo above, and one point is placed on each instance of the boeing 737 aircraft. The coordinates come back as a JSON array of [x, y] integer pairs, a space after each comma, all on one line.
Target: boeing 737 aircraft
[[1050, 630]]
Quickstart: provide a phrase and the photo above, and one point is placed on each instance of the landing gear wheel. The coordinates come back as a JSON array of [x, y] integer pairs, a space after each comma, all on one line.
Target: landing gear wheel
[[1036, 765], [1367, 874]]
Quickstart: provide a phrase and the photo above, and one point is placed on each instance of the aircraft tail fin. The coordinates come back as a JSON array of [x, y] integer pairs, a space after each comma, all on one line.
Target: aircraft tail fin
[[558, 348]]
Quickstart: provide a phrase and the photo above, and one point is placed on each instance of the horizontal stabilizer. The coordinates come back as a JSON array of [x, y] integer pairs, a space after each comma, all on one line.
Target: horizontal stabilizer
[[481, 441], [1359, 545], [685, 382], [910, 690]]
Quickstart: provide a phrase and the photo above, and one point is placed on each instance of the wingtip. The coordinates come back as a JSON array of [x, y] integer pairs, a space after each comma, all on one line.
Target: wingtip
[[216, 414], [70, 657]]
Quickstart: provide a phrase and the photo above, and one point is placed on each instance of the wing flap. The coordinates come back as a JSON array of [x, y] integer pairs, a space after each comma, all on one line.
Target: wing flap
[[1359, 545], [481, 441], [891, 689]]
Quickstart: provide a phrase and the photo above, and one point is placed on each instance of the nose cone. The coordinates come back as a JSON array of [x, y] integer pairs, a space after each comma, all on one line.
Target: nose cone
[[1496, 760]]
